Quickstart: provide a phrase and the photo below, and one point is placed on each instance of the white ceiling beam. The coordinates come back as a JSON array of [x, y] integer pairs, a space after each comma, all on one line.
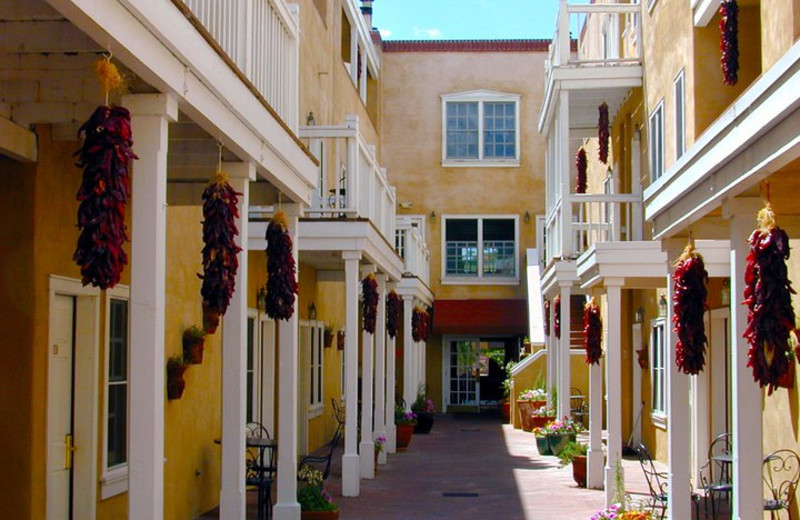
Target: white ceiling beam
[[17, 142]]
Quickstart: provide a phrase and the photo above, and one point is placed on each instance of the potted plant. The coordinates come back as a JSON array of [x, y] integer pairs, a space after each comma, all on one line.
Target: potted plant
[[560, 433], [380, 445], [542, 415], [193, 342], [542, 446], [505, 404], [329, 335], [619, 512], [424, 409], [527, 401], [575, 453], [340, 339], [315, 502], [176, 366], [404, 421]]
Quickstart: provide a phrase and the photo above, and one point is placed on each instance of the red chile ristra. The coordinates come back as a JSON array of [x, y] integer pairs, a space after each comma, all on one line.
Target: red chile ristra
[[592, 332], [689, 299], [282, 281]]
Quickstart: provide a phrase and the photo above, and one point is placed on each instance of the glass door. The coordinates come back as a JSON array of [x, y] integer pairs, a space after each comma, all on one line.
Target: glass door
[[464, 376]]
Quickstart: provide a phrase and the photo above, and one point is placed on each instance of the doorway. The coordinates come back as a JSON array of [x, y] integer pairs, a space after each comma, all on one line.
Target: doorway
[[474, 372]]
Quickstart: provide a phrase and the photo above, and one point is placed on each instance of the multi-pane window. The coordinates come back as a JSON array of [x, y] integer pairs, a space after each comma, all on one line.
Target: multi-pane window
[[657, 142], [480, 127], [315, 375], [658, 359], [250, 372], [480, 247], [117, 441], [680, 116]]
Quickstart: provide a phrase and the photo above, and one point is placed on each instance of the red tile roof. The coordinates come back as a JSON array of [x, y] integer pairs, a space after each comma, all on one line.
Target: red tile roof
[[480, 317], [466, 45]]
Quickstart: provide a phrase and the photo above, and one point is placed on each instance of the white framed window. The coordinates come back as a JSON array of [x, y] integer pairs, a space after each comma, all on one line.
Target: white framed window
[[658, 371], [253, 405], [480, 128], [680, 114], [114, 478], [342, 372], [480, 250], [657, 142], [315, 345]]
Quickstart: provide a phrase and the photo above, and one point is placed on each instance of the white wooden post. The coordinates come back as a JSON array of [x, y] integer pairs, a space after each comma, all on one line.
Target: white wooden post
[[679, 427], [234, 361], [367, 447], [563, 163], [699, 386], [596, 458], [350, 463], [391, 378], [746, 421], [380, 367], [286, 506], [636, 383], [409, 390], [613, 363], [150, 117], [564, 351]]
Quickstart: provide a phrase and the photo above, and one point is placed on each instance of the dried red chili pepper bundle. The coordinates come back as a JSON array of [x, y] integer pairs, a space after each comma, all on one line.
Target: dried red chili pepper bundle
[[767, 293], [689, 298], [419, 324], [220, 260], [581, 164], [428, 322], [105, 158], [282, 282], [392, 314], [603, 133], [369, 289], [557, 317], [729, 44], [592, 332], [547, 317]]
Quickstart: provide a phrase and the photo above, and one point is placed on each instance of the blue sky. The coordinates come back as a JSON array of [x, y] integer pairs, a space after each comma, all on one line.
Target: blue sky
[[464, 19]]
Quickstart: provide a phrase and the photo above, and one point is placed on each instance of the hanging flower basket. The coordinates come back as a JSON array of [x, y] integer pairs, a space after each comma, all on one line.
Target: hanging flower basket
[[689, 297], [369, 310], [282, 281], [193, 345], [175, 382], [729, 33], [767, 293], [603, 133], [592, 331], [392, 314], [557, 317], [220, 253], [420, 324]]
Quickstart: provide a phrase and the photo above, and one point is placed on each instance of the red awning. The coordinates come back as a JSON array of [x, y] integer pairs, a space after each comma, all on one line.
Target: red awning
[[480, 317]]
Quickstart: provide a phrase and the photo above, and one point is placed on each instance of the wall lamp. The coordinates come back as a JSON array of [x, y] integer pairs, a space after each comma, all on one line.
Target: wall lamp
[[433, 216]]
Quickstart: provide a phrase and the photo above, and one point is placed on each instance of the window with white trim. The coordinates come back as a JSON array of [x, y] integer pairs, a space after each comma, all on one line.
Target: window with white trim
[[657, 142], [253, 355], [680, 115], [658, 368], [114, 478], [315, 375], [483, 248], [480, 128]]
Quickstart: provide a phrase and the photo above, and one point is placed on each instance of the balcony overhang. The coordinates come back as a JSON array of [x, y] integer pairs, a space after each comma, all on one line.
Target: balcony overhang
[[321, 242], [754, 138], [556, 272], [410, 285]]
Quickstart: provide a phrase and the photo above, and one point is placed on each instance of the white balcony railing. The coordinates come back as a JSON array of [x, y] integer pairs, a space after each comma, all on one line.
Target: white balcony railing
[[594, 218], [412, 247], [352, 183], [262, 38]]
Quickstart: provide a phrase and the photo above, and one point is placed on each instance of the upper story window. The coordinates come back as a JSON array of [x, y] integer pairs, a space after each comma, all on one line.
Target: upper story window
[[480, 250], [680, 115], [657, 142], [480, 128]]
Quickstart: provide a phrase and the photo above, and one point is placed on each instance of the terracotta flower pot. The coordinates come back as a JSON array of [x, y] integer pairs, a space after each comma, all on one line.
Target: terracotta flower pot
[[340, 340], [505, 411], [175, 382], [404, 433], [210, 318], [193, 349], [320, 515], [540, 422], [579, 470], [525, 409]]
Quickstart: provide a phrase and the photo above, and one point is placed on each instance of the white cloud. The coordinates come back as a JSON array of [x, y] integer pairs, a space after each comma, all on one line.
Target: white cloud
[[430, 34], [385, 33]]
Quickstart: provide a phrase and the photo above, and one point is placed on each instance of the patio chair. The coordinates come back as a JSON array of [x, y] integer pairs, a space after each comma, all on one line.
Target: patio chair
[[781, 472], [322, 462], [716, 473], [577, 406], [657, 484], [260, 472], [338, 413]]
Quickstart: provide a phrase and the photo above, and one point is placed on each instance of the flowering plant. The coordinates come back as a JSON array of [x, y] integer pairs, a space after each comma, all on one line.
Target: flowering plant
[[618, 512], [532, 395], [565, 425], [545, 411], [540, 432], [401, 416], [422, 403], [312, 496], [380, 443]]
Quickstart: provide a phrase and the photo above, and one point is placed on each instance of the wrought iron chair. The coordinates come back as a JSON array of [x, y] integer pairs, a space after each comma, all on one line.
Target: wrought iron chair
[[322, 462], [577, 406], [260, 472], [781, 472], [716, 473], [657, 484], [338, 413]]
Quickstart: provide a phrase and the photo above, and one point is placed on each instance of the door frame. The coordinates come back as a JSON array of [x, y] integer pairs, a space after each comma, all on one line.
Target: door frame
[[86, 381]]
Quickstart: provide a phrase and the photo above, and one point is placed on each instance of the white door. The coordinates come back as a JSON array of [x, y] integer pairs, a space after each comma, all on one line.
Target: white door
[[60, 408]]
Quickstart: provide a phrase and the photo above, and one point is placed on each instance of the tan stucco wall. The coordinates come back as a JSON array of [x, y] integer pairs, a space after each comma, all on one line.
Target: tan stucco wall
[[780, 27]]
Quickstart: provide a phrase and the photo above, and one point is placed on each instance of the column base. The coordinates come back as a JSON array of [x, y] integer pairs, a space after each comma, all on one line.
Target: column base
[[611, 481], [350, 475], [594, 469], [367, 459], [286, 511], [391, 439]]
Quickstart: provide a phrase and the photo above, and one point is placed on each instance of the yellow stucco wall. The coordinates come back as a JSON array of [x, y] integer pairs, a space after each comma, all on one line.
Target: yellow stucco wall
[[780, 27]]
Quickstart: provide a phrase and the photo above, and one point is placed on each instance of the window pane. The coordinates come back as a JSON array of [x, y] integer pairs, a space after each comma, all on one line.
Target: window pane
[[464, 229], [462, 130], [117, 424], [499, 130], [498, 229], [117, 383], [250, 373]]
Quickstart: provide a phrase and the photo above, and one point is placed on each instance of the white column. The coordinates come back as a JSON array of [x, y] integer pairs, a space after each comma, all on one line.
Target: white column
[[636, 400], [699, 386], [380, 366], [595, 462], [613, 364], [391, 378], [286, 506], [746, 421], [150, 117], [564, 351], [367, 447], [564, 160], [234, 361], [679, 426], [350, 464], [409, 390], [552, 365]]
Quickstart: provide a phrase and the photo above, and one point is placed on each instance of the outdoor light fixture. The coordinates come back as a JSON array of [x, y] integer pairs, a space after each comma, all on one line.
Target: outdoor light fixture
[[662, 305], [310, 121], [312, 311], [433, 216], [638, 316], [725, 293], [527, 217], [261, 299]]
